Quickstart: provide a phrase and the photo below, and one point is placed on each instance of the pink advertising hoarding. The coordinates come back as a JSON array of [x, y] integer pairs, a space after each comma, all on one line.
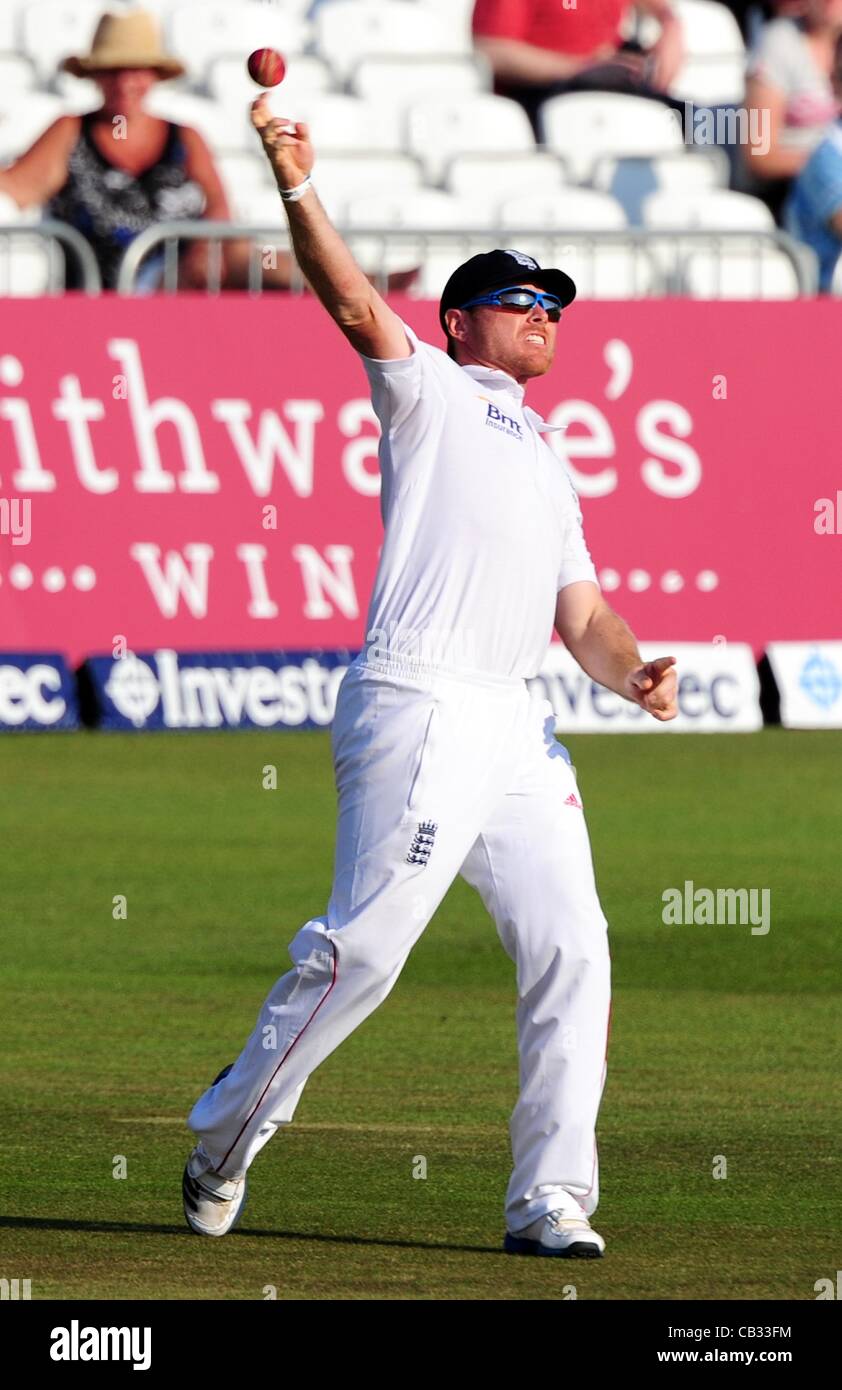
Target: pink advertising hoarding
[[202, 473]]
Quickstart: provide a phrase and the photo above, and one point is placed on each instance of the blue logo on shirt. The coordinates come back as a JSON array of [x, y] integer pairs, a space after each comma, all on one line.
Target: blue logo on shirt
[[498, 421]]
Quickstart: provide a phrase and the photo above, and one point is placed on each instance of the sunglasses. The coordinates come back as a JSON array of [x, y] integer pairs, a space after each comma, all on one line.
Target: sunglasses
[[516, 298]]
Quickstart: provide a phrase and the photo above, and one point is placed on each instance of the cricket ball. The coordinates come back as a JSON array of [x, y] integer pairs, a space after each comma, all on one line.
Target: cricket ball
[[266, 67]]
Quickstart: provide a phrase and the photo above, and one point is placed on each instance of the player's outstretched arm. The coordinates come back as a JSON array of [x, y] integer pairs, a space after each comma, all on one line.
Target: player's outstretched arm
[[605, 647], [343, 288]]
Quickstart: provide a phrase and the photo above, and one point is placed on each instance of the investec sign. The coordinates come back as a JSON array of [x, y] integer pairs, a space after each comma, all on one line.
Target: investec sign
[[718, 692], [248, 690], [37, 691]]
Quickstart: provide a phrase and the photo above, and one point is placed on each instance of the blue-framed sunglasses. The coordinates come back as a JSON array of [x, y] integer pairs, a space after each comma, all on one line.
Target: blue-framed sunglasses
[[514, 297]]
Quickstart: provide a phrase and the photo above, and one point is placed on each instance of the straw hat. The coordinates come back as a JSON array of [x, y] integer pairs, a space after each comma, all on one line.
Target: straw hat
[[129, 40]]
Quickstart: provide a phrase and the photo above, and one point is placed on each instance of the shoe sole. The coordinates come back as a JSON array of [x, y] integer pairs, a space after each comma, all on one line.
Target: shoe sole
[[579, 1250]]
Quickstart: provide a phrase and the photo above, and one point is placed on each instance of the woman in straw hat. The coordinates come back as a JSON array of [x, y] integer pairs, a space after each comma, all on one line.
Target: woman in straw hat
[[119, 169]]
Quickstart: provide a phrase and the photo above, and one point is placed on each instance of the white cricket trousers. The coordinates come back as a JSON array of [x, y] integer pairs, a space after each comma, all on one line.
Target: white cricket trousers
[[436, 775]]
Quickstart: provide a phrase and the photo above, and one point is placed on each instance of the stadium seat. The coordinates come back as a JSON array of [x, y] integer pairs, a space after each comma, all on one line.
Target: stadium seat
[[340, 177], [78, 94], [585, 126], [228, 83], [255, 206], [739, 273], [243, 175], [24, 266], [535, 172], [19, 128], [341, 122], [574, 209], [600, 270], [426, 209], [207, 117], [457, 14], [348, 30], [17, 78], [630, 180], [715, 80], [716, 209], [200, 32], [51, 29], [713, 72], [836, 281], [440, 129], [399, 81]]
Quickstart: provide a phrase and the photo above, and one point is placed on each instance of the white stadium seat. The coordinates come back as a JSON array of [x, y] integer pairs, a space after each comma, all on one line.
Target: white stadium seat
[[341, 122], [571, 209], [9, 211], [713, 72], [17, 79], [716, 209], [340, 177], [258, 207], [24, 266], [228, 82], [836, 281], [440, 129], [457, 14], [585, 126], [402, 80], [717, 80], [690, 169], [427, 209], [739, 273], [207, 117], [535, 172], [243, 175], [21, 127], [51, 29], [348, 30], [200, 32]]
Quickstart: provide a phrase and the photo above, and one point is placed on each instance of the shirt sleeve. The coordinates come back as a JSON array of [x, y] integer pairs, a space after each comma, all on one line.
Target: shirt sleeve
[[576, 562], [500, 19], [774, 58], [820, 182], [399, 384]]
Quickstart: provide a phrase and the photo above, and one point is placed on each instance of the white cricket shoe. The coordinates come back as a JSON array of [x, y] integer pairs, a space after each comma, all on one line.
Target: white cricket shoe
[[212, 1204], [565, 1231]]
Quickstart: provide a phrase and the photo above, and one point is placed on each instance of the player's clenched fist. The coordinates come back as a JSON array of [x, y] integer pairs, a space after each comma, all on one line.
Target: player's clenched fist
[[654, 686], [287, 144]]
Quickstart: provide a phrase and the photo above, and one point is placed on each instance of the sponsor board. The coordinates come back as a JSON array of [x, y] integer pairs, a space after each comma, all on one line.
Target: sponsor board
[[166, 689], [37, 691], [718, 691], [809, 680]]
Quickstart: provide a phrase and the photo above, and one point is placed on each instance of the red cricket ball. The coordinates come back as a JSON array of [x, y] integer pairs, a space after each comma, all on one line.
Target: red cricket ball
[[267, 67]]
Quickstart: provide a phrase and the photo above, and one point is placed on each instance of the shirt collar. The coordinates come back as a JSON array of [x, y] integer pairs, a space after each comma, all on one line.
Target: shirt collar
[[493, 378], [496, 380]]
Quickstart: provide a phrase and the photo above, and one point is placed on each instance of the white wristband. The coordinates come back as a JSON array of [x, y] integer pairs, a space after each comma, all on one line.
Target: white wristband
[[292, 195]]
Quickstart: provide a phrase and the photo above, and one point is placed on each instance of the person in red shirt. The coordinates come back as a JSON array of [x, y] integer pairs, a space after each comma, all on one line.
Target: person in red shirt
[[540, 48]]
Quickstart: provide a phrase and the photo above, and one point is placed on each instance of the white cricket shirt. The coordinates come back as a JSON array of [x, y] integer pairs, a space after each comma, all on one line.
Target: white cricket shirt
[[482, 522]]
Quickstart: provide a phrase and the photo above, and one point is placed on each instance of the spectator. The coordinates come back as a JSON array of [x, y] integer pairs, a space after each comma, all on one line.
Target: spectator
[[540, 48], [119, 169], [789, 86], [813, 211]]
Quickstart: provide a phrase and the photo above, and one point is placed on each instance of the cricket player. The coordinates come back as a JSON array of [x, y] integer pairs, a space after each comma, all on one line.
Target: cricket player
[[445, 763]]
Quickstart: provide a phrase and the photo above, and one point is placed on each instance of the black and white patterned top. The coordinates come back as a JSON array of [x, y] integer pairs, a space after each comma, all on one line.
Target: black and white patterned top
[[109, 205]]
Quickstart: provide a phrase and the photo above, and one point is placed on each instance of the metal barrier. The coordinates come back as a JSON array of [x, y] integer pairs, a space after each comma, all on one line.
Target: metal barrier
[[664, 252], [51, 234]]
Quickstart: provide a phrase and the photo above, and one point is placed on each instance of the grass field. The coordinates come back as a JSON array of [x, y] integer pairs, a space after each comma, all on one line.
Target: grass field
[[723, 1043]]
